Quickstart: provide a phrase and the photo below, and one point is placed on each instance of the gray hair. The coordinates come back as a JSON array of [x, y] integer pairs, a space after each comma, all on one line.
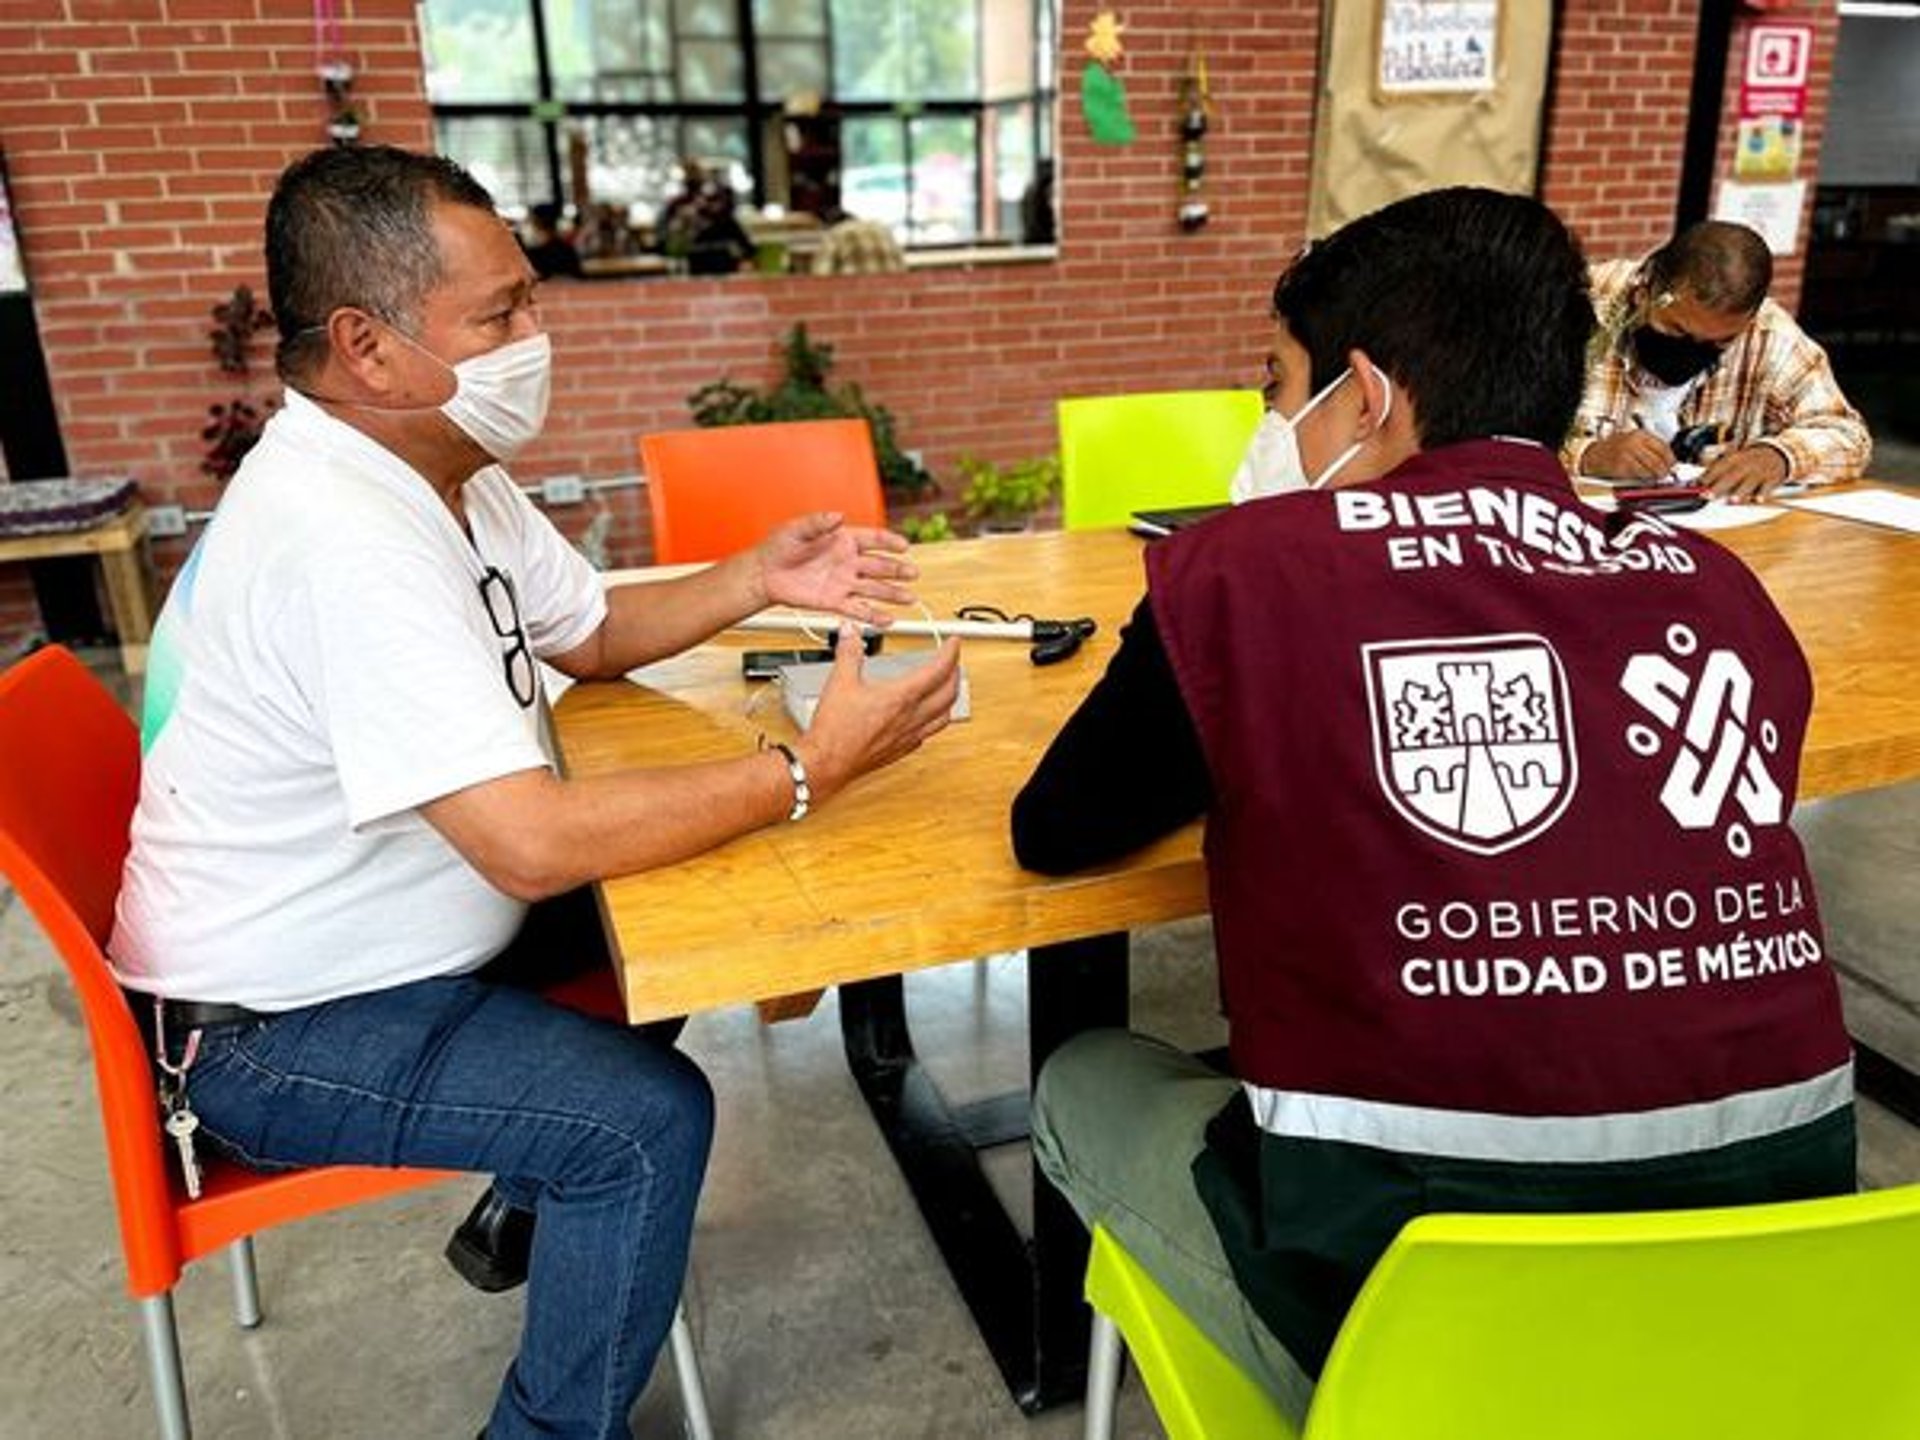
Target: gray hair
[[353, 226]]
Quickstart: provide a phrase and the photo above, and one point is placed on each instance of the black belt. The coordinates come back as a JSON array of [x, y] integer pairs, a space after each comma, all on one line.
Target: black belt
[[196, 1014]]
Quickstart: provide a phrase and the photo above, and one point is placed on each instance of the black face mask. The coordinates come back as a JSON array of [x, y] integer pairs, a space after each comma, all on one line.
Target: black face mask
[[1673, 359]]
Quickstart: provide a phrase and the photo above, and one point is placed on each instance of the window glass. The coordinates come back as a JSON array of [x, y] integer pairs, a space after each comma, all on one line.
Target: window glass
[[479, 51], [944, 201], [706, 17], [508, 156], [711, 70], [790, 67], [610, 49], [957, 104], [873, 172], [791, 18], [1013, 172], [942, 42], [632, 160], [905, 49]]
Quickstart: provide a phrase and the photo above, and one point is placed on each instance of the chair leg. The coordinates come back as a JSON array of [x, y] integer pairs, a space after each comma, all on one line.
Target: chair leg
[[1103, 1377], [686, 1369], [163, 1367], [246, 1282]]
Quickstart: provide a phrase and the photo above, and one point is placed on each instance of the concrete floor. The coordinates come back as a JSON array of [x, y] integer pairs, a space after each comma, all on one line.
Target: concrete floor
[[820, 1307]]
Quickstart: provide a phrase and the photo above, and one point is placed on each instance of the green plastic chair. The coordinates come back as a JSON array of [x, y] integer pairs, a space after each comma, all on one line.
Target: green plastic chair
[[1764, 1322], [1198, 1393], [1121, 453]]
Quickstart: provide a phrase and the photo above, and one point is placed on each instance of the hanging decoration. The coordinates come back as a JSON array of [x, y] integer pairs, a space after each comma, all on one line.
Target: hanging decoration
[[1103, 98], [1196, 110], [336, 73]]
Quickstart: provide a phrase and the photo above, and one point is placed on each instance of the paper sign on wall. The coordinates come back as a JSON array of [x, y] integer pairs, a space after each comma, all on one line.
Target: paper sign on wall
[[1437, 47], [1768, 148], [1774, 81], [1773, 210]]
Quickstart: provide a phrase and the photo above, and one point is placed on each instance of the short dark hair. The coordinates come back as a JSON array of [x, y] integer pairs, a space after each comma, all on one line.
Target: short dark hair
[[1723, 266], [353, 225], [1475, 302]]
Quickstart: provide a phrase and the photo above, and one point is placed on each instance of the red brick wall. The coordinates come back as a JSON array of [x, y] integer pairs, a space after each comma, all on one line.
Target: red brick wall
[[143, 136]]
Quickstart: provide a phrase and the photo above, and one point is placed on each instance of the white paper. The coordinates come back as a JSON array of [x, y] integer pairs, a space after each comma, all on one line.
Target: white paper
[[1438, 47], [1723, 515], [1875, 507], [1714, 515]]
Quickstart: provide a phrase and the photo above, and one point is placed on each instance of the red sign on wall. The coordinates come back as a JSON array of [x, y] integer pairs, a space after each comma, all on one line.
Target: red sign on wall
[[1775, 79]]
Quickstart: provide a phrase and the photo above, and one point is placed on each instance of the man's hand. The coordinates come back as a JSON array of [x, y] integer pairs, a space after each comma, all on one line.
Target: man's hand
[[861, 725], [1752, 472], [818, 562], [1627, 455]]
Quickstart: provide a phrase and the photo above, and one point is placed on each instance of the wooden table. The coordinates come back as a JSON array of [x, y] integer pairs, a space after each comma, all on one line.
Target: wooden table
[[1849, 591], [118, 543], [907, 868], [912, 867]]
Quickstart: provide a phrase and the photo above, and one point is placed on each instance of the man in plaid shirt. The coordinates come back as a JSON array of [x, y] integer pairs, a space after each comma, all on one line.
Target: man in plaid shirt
[[1692, 361]]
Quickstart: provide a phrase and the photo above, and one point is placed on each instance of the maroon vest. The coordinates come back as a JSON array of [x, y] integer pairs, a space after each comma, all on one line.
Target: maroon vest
[[1501, 802]]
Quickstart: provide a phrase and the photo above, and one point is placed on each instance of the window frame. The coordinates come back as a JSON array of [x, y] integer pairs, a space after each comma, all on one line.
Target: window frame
[[551, 112]]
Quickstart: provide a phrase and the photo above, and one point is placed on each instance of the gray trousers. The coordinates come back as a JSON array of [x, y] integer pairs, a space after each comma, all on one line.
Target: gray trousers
[[1117, 1121]]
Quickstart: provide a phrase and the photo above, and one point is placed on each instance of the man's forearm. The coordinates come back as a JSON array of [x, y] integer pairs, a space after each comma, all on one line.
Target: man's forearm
[[650, 620], [533, 835]]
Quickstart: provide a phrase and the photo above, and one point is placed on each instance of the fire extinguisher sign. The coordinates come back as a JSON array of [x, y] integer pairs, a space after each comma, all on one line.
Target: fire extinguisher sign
[[1775, 80]]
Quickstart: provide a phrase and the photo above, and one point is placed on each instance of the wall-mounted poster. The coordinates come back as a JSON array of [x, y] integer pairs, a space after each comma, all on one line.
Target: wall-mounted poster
[[1437, 47], [13, 275], [1773, 210], [1417, 94]]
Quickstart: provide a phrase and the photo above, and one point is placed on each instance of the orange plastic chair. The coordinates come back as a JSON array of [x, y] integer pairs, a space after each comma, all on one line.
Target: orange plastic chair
[[715, 491], [67, 791]]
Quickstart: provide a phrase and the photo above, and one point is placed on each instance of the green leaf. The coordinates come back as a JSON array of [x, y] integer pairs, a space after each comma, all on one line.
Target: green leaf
[[1103, 100]]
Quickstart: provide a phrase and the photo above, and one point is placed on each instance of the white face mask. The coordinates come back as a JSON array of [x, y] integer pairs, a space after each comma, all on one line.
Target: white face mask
[[500, 397], [1272, 464]]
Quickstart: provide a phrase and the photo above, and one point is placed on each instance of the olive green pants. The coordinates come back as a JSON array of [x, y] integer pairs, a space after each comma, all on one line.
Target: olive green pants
[[1117, 1121]]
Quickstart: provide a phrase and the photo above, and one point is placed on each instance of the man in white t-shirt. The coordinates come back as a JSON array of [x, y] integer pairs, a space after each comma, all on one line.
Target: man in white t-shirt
[[348, 804]]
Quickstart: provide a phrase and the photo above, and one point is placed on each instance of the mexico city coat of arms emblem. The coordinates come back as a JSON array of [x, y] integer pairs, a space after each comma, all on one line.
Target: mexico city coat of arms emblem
[[1473, 738]]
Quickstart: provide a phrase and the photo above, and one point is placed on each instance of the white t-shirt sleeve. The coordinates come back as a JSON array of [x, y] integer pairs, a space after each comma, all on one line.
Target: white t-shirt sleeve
[[408, 681]]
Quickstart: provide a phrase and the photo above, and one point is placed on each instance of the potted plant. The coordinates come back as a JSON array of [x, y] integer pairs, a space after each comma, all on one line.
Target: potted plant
[[804, 394], [928, 528], [234, 428], [1003, 498]]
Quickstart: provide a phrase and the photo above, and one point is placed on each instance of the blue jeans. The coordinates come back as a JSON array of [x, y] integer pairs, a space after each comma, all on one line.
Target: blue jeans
[[601, 1130]]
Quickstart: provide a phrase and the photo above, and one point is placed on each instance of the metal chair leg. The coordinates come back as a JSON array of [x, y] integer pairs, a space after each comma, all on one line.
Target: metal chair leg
[[246, 1282], [1103, 1377], [686, 1370], [163, 1367]]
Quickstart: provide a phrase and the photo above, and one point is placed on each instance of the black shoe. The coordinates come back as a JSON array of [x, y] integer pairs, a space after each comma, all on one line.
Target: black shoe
[[493, 1245]]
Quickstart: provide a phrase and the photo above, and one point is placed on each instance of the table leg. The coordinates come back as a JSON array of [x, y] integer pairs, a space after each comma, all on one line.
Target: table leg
[[1024, 1295], [126, 579], [1885, 1080]]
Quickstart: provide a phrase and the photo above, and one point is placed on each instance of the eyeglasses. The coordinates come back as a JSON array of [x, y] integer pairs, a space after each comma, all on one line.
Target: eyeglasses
[[503, 609]]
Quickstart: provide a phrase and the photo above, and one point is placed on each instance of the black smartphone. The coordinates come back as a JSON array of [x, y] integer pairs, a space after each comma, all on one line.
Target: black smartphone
[[765, 664], [1662, 499]]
